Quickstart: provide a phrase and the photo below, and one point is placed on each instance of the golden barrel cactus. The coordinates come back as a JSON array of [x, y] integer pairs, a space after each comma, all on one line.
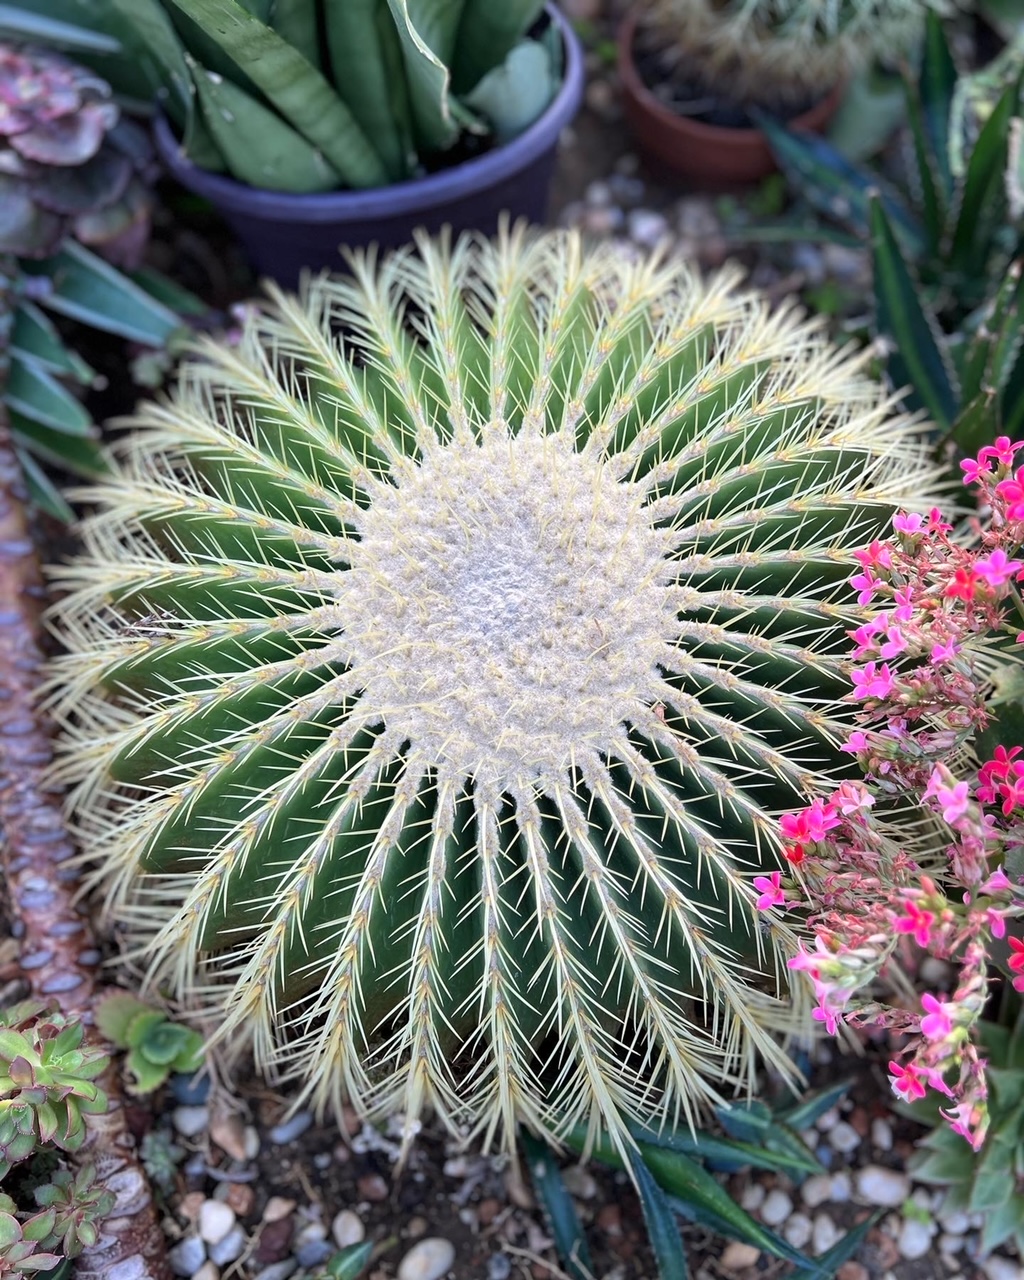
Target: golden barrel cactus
[[441, 656]]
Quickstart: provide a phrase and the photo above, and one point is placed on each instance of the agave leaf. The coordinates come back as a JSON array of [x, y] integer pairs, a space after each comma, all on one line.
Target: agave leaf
[[983, 201], [88, 289], [75, 453], [811, 1106], [1002, 1224], [827, 1264], [35, 339], [487, 33], [916, 360], [931, 194], [726, 1151], [292, 86], [662, 1228], [872, 108], [41, 489], [559, 1210], [514, 94], [365, 52], [751, 1122], [1011, 404], [257, 146], [295, 21], [168, 292], [38, 395], [1008, 1085], [936, 87], [36, 28]]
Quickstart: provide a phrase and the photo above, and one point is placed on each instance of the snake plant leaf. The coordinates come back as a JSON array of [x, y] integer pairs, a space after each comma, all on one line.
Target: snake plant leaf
[[916, 360], [367, 64], [295, 21], [257, 145], [487, 34], [38, 395], [291, 85], [37, 28], [559, 1210], [983, 201], [88, 289], [514, 94], [35, 340], [662, 1228], [426, 30]]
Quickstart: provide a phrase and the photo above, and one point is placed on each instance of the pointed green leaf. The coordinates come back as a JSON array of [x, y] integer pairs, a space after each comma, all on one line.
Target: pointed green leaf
[[559, 1210], [74, 453], [88, 289], [169, 292], [749, 1122], [16, 24], [662, 1228], [257, 146], [35, 338], [931, 194], [707, 1146], [38, 395], [295, 21], [349, 1263], [983, 201], [935, 89], [487, 34], [826, 1265], [916, 359], [150, 40], [41, 489], [426, 30], [292, 86], [365, 52], [804, 1113]]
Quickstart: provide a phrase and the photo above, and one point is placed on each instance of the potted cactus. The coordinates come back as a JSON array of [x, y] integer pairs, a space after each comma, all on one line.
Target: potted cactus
[[696, 74], [309, 124], [440, 658]]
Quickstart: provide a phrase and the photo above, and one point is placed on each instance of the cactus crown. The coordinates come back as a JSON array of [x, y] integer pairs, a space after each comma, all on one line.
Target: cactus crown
[[441, 656]]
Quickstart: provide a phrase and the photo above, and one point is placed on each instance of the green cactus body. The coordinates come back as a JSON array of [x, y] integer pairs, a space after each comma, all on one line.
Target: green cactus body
[[441, 656]]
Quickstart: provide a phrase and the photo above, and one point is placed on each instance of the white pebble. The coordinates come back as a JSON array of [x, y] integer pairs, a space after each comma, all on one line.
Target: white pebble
[[915, 1239], [291, 1128], [427, 1260], [737, 1256], [215, 1221], [776, 1208], [230, 1248], [187, 1256], [887, 1187], [950, 1243], [797, 1230], [842, 1187], [347, 1228], [956, 1222], [827, 1120], [598, 194], [843, 1137], [881, 1134], [190, 1122], [579, 1182], [278, 1207], [647, 228], [250, 1142], [816, 1190], [1001, 1269], [752, 1197], [207, 1272], [825, 1233], [309, 1232], [277, 1270]]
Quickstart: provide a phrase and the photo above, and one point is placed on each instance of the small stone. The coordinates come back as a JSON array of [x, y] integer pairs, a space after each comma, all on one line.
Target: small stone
[[240, 1197], [278, 1207], [190, 1091], [776, 1208], [313, 1253], [951, 1244], [881, 1134], [738, 1256], [956, 1222], [275, 1241], [190, 1122], [579, 1182], [416, 1227], [609, 1219], [848, 264], [187, 1256], [372, 1187], [228, 1132], [294, 1127], [499, 1266], [603, 221], [208, 1271], [487, 1210], [322, 1160], [457, 1167], [1000, 1269], [816, 1190], [190, 1205], [853, 1271], [646, 227], [827, 1120], [347, 1228], [626, 188], [752, 1196], [232, 1246], [427, 1260], [841, 1187], [309, 1231], [277, 1270], [215, 1221], [886, 1187], [824, 1233], [797, 1230], [598, 194], [915, 1239], [843, 1138]]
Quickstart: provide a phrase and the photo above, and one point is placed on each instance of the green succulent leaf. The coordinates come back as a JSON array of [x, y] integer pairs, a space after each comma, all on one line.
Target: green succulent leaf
[[38, 395], [295, 21], [935, 91], [115, 1012], [143, 1025], [512, 95], [34, 338], [707, 1146], [42, 492], [349, 1263], [426, 32], [75, 453], [983, 199], [811, 1107], [559, 1210], [487, 33], [662, 1228], [148, 1075], [17, 24]]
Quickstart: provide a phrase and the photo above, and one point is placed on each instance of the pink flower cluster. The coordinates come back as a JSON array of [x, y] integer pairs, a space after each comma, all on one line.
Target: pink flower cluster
[[920, 691]]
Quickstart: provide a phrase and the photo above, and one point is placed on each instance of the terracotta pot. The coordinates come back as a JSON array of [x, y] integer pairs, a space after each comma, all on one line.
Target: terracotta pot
[[710, 154]]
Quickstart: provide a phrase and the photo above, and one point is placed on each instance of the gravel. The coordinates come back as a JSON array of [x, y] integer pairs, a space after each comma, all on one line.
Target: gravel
[[427, 1260], [915, 1238], [187, 1256], [215, 1221], [347, 1229], [190, 1122], [290, 1129], [776, 1208], [232, 1246], [843, 1138], [885, 1187]]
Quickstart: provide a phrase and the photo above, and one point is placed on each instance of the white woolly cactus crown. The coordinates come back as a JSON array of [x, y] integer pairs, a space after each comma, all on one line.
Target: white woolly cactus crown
[[441, 657]]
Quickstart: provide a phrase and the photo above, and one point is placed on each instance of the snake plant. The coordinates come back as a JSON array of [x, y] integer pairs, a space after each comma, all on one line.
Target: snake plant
[[440, 658]]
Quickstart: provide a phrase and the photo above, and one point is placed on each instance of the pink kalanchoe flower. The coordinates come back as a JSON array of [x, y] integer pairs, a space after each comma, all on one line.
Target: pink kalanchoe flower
[[872, 680], [963, 586], [906, 1082], [904, 611], [936, 524], [974, 469], [851, 797], [894, 642], [996, 922], [1002, 449], [857, 741], [944, 651], [937, 1024], [864, 636], [771, 891], [865, 584], [1012, 493], [827, 1014], [876, 553], [1016, 960], [917, 922], [821, 818], [997, 568], [908, 521], [960, 1118], [998, 881], [952, 800]]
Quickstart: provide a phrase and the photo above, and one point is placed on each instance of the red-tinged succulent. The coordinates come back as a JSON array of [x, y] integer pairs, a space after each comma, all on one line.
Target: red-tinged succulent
[[69, 165], [20, 1242]]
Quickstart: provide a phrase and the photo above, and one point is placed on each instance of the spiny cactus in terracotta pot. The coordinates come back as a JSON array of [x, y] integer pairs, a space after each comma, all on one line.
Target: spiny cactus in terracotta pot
[[441, 657]]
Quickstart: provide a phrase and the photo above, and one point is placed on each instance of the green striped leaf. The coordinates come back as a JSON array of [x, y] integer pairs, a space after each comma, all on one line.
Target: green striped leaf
[[559, 1210], [662, 1228]]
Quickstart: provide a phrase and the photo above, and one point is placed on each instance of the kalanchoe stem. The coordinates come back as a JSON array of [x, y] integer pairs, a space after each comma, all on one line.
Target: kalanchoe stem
[[58, 950]]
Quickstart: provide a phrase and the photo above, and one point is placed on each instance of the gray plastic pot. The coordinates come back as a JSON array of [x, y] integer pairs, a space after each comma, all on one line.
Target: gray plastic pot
[[283, 233]]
